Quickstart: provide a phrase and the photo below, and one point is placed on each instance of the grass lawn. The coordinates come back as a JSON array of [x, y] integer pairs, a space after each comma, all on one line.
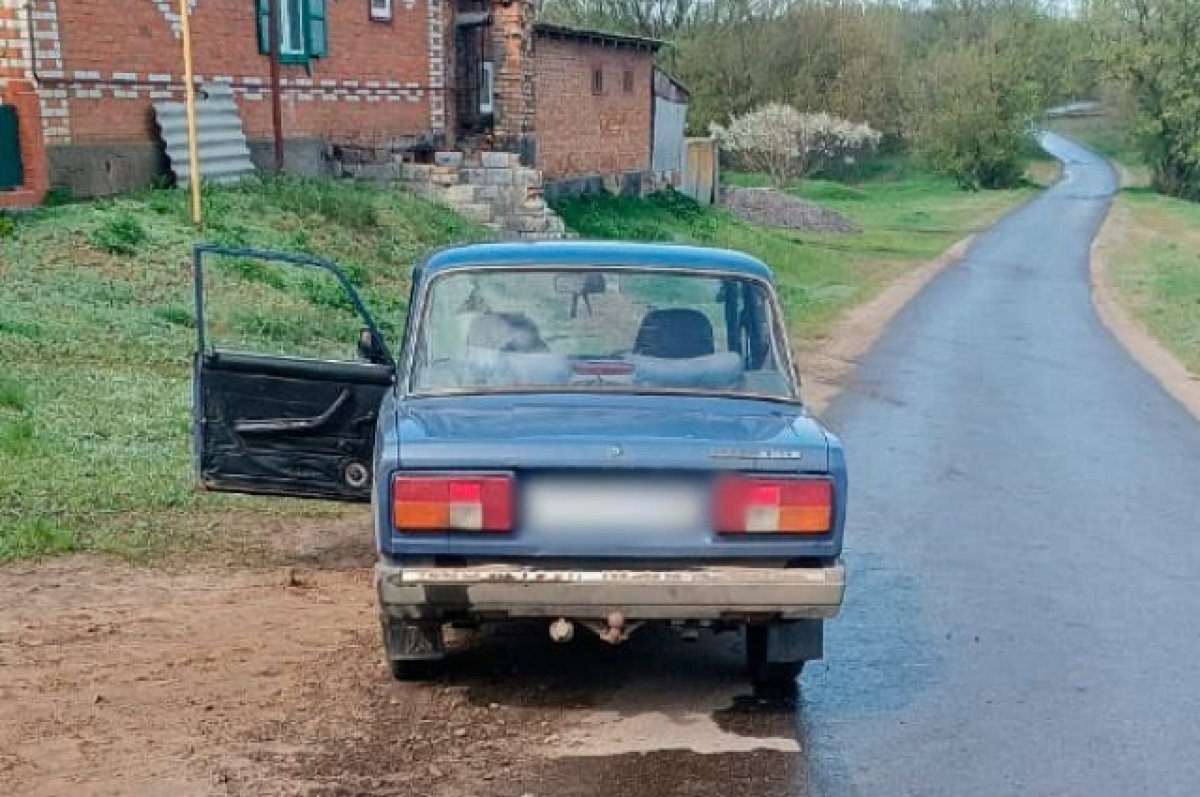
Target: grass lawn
[[907, 216], [1153, 258], [96, 334]]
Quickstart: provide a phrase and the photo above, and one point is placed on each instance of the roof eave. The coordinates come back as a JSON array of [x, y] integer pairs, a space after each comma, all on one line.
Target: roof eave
[[598, 37]]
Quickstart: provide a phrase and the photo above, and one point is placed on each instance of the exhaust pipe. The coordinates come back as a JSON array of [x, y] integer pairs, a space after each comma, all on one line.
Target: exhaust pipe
[[562, 630]]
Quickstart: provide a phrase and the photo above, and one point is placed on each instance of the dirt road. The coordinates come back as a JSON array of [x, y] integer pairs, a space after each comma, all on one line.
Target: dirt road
[[125, 681]]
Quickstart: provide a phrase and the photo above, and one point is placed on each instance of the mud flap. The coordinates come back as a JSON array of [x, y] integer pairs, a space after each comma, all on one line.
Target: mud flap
[[412, 641], [795, 640]]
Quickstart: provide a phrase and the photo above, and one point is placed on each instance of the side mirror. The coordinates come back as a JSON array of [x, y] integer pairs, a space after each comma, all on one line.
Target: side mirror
[[371, 348]]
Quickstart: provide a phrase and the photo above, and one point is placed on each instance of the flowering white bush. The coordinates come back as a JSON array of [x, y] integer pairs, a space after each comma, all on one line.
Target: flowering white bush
[[786, 144]]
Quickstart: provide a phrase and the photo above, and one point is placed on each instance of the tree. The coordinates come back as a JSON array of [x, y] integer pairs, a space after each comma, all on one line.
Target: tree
[[786, 145], [981, 87], [1153, 48]]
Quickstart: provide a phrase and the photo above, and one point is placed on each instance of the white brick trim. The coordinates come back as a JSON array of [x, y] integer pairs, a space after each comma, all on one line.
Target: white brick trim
[[47, 57], [94, 85], [437, 84], [14, 42], [170, 11]]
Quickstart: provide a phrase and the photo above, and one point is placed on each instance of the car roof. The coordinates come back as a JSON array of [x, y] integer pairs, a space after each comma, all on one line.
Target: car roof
[[589, 255]]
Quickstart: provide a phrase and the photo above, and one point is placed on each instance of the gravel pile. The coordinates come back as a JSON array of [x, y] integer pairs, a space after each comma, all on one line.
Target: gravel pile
[[770, 208]]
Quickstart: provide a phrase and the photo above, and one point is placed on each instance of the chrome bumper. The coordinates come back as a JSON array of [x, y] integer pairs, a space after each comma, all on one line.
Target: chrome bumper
[[701, 593]]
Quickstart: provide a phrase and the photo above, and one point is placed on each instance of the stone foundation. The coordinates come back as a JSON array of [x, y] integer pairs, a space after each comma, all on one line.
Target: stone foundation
[[492, 189]]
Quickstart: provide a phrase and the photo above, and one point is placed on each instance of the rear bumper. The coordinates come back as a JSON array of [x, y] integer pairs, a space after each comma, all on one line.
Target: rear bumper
[[698, 593]]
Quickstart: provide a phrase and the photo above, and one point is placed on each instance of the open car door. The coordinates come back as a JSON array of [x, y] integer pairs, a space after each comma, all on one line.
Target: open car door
[[282, 425]]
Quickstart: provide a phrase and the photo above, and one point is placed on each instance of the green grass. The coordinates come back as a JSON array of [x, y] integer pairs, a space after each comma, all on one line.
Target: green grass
[[1154, 261], [1105, 133], [96, 332], [907, 216], [1153, 241]]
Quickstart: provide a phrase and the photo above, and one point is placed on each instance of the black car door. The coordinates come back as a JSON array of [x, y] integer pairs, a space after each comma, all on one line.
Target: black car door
[[285, 425]]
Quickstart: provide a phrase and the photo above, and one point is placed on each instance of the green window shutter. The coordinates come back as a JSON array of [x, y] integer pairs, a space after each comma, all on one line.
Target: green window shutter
[[316, 30], [263, 17]]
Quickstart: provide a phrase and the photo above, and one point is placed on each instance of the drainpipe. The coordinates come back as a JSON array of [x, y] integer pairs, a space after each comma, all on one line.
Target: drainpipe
[[275, 46], [29, 33]]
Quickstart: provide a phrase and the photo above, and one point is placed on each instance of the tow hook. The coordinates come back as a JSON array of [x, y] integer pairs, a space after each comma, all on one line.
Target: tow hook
[[615, 633], [562, 630], [613, 629]]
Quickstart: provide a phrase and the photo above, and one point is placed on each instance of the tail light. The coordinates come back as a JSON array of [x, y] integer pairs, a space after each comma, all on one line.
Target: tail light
[[452, 503], [774, 506]]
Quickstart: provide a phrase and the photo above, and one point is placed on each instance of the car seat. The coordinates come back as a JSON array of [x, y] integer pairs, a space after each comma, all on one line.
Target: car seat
[[675, 334]]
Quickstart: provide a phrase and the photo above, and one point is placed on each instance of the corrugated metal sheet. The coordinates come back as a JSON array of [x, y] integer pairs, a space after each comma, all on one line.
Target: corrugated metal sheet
[[700, 171], [224, 156], [670, 126], [668, 87]]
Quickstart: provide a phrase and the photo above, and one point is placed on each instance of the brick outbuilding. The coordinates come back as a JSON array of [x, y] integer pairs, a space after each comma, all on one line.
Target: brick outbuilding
[[395, 75]]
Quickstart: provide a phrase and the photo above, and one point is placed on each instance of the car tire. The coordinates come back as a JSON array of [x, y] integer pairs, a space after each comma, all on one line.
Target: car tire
[[407, 670], [764, 672]]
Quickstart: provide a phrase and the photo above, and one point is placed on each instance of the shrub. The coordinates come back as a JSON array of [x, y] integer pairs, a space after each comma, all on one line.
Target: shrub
[[787, 145], [120, 234], [978, 112]]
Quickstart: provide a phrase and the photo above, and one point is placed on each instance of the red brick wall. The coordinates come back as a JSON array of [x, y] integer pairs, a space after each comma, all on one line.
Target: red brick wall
[[120, 56], [581, 133]]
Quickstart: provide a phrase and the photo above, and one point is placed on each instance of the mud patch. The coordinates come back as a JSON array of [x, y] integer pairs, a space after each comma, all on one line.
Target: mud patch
[[671, 773], [761, 715], [202, 682]]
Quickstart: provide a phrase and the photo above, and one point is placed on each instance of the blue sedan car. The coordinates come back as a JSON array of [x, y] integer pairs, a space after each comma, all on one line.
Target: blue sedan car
[[594, 435]]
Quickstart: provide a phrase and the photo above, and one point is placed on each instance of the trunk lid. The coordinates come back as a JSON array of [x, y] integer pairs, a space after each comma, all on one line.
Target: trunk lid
[[590, 432]]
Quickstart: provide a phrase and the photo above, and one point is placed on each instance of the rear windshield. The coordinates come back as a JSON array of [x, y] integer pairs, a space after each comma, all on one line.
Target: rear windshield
[[554, 330]]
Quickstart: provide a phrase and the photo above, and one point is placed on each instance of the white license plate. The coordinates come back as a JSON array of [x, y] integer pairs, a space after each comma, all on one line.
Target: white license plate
[[632, 507]]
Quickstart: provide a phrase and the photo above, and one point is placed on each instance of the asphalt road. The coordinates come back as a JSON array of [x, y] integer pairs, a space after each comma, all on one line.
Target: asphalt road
[[1024, 548]]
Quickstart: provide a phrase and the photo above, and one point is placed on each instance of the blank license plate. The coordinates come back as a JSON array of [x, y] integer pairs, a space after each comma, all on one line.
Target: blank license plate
[[622, 506]]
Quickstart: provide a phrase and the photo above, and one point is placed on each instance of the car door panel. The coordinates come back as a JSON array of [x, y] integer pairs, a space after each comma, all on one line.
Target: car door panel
[[277, 425], [304, 433]]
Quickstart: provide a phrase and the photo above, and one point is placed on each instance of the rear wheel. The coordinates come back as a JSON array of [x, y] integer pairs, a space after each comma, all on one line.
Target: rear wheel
[[763, 670]]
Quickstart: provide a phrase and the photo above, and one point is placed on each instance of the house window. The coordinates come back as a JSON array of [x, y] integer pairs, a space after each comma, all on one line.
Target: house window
[[487, 87], [303, 34], [381, 10], [627, 81], [597, 80], [291, 28]]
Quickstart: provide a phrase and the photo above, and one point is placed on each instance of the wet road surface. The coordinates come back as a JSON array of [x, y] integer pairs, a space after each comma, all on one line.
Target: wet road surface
[[1024, 551]]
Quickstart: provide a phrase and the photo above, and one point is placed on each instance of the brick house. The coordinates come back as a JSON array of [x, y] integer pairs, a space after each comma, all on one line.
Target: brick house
[[400, 75]]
